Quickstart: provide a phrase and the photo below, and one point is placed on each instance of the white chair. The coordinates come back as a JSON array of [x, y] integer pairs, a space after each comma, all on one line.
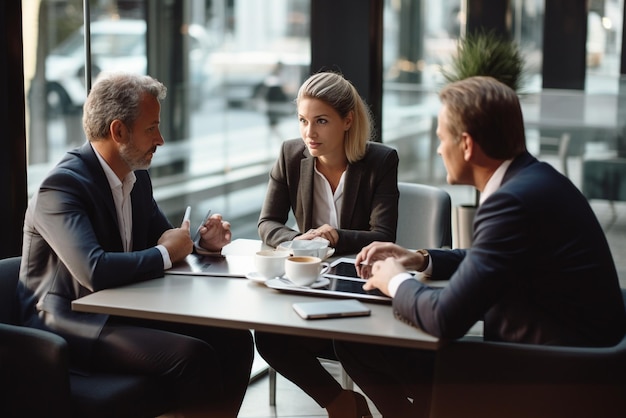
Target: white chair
[[424, 217], [559, 146]]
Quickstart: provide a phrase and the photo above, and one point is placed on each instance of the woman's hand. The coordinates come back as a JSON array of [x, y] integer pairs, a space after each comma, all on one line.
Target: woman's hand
[[325, 231]]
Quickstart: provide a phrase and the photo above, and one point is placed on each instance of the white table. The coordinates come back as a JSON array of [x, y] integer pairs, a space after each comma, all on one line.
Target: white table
[[243, 304]]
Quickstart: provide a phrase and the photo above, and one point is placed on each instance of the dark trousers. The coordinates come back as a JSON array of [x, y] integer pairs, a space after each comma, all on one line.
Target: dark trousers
[[398, 380], [296, 358], [207, 368]]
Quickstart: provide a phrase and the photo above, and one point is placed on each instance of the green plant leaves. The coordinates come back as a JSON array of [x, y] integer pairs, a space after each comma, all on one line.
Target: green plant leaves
[[487, 54]]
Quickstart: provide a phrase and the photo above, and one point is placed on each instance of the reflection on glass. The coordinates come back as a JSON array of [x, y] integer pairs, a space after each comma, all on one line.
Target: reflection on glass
[[604, 35], [223, 135], [420, 37], [231, 48]]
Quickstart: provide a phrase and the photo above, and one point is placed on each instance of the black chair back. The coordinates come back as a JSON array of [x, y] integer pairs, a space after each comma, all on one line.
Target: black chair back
[[36, 376], [9, 277]]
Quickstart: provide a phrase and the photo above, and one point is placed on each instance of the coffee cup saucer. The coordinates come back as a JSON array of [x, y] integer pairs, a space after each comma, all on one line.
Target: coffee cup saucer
[[320, 282], [256, 277]]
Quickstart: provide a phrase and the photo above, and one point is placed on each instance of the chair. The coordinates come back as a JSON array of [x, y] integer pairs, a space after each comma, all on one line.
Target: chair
[[36, 378], [604, 178], [424, 217], [492, 379], [559, 146], [424, 221], [346, 381]]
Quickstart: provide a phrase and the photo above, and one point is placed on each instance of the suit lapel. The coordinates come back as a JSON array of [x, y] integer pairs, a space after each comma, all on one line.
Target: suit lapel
[[305, 190], [517, 164], [88, 155], [141, 214], [353, 175]]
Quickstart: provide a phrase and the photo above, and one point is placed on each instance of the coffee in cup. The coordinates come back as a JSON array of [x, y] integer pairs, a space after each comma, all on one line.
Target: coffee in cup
[[304, 270], [270, 263]]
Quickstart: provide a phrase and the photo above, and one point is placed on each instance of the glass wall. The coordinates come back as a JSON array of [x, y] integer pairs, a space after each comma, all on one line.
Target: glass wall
[[604, 45], [223, 119], [232, 68], [420, 38]]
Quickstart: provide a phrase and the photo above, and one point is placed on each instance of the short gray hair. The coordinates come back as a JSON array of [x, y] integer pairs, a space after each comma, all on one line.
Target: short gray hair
[[117, 96]]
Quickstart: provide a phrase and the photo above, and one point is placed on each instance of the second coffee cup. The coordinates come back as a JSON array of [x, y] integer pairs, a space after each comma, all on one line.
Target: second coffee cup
[[304, 270], [270, 264]]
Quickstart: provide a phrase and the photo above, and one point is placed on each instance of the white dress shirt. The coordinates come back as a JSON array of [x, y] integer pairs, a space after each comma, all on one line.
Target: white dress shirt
[[326, 204], [494, 182], [123, 206]]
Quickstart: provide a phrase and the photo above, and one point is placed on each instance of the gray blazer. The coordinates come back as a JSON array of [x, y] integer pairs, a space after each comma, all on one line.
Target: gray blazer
[[370, 205]]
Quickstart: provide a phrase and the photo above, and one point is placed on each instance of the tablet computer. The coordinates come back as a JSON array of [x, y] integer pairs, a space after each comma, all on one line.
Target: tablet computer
[[341, 281], [343, 268]]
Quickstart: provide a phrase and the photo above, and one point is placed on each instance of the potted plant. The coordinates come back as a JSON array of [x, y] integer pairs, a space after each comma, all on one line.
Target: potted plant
[[482, 53], [489, 54]]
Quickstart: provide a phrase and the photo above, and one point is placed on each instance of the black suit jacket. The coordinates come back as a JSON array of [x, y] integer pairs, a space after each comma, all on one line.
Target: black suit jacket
[[72, 246], [539, 270], [370, 201]]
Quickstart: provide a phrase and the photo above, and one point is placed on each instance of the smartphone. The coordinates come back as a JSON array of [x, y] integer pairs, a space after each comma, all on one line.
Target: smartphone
[[206, 218]]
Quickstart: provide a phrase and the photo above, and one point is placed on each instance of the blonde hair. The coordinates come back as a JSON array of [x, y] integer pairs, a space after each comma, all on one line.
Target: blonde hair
[[337, 92]]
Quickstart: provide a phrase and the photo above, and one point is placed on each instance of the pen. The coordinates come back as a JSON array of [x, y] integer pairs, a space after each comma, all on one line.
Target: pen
[[206, 218], [187, 214]]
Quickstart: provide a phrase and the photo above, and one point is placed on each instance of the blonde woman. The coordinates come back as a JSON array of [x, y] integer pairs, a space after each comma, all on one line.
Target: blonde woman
[[340, 186]]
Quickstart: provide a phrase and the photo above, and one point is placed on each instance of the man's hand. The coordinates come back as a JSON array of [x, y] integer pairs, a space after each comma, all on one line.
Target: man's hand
[[377, 251], [215, 233], [177, 242], [381, 274]]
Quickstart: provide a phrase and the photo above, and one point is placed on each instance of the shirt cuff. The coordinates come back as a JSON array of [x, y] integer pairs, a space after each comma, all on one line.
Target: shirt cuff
[[396, 281], [167, 262], [429, 268]]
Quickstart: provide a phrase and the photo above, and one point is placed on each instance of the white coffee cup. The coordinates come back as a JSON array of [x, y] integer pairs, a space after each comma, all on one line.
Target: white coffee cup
[[304, 270], [270, 263]]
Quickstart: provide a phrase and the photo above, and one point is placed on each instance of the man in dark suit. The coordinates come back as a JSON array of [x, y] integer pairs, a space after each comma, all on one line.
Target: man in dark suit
[[539, 270], [94, 224]]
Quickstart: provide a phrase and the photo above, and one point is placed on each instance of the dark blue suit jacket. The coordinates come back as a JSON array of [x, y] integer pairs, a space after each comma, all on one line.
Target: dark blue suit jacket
[[72, 246], [539, 270]]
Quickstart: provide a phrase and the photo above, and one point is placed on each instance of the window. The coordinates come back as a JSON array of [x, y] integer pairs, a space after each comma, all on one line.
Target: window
[[420, 37], [221, 139]]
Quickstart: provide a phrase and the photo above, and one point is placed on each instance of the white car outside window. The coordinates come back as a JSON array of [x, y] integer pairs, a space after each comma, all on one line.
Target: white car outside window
[[115, 45]]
